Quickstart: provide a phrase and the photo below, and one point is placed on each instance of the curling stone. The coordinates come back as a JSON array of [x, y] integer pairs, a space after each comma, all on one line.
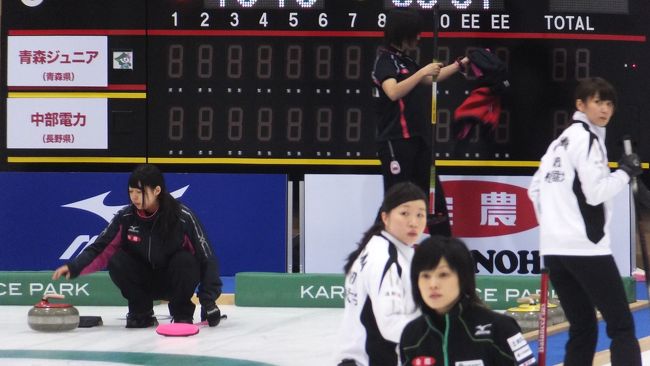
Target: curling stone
[[555, 305], [554, 310], [52, 317], [526, 314]]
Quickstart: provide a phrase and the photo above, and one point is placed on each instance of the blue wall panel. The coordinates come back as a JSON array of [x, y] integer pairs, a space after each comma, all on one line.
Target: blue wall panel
[[48, 217]]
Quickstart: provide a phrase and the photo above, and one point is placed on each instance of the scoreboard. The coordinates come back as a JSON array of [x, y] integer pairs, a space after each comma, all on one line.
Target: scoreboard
[[286, 83]]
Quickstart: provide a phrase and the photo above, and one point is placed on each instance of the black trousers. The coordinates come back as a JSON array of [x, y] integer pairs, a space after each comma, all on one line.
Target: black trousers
[[141, 285], [584, 283], [414, 158]]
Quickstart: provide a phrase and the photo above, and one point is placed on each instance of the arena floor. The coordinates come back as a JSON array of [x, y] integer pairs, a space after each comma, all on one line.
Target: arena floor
[[249, 336]]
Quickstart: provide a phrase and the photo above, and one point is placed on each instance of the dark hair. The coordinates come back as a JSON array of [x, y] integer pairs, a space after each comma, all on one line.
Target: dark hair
[[427, 257], [590, 87], [402, 24], [148, 175], [396, 195]]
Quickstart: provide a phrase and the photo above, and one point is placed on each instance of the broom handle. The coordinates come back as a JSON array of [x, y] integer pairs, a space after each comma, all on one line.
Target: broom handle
[[543, 307], [434, 114]]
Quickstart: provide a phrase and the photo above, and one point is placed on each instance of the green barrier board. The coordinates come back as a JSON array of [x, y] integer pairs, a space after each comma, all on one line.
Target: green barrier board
[[27, 288], [251, 289], [289, 290], [327, 290]]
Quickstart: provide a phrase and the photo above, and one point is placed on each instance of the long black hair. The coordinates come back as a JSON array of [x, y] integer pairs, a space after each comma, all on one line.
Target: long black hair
[[148, 175], [402, 24], [427, 257], [395, 196]]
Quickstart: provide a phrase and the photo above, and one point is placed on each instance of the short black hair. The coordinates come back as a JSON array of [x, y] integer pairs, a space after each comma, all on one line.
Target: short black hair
[[427, 257], [592, 86], [402, 24]]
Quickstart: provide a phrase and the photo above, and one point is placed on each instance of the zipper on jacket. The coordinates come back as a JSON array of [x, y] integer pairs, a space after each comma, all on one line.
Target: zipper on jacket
[[444, 336], [149, 253], [445, 351], [153, 265]]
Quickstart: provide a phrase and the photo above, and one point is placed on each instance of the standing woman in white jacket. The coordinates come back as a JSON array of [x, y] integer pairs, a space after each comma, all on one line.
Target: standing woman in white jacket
[[378, 299], [572, 192]]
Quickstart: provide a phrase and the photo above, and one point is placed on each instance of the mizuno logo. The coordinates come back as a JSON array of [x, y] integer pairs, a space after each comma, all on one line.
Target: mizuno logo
[[96, 204], [483, 329]]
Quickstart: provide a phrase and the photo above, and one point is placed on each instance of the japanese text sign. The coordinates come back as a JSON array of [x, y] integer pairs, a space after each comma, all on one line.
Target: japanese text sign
[[57, 123], [57, 61]]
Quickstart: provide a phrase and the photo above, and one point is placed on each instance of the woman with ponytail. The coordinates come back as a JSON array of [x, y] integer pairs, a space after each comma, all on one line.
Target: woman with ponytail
[[378, 300], [154, 249]]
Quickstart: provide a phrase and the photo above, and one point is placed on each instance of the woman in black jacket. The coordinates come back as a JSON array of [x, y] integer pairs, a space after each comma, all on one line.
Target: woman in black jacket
[[455, 327], [403, 109], [155, 248]]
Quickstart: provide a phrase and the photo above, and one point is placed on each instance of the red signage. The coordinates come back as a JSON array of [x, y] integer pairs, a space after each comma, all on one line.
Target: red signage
[[483, 209]]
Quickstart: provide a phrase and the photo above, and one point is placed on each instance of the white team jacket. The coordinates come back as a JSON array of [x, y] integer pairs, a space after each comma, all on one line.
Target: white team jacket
[[377, 287], [572, 191]]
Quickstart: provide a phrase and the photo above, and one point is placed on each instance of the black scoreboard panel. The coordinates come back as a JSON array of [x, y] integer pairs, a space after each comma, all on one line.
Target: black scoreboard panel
[[287, 82]]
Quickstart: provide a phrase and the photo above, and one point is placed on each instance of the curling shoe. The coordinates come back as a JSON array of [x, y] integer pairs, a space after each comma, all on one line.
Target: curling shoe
[[145, 320]]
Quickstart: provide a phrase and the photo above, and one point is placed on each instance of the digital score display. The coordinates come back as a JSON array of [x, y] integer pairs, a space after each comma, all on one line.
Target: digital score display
[[287, 82], [320, 4], [591, 6], [263, 4]]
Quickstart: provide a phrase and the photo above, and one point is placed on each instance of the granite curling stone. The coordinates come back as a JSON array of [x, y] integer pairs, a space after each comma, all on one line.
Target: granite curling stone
[[52, 317], [527, 313]]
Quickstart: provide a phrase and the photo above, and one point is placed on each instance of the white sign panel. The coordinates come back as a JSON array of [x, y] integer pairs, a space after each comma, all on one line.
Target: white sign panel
[[57, 123], [492, 214], [338, 209], [57, 61]]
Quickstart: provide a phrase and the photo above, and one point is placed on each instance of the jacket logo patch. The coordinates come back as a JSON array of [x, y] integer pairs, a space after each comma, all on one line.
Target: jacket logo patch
[[529, 362], [423, 361], [133, 234], [557, 162], [363, 260], [523, 353], [554, 176], [470, 363], [564, 142], [517, 341], [134, 239], [483, 329]]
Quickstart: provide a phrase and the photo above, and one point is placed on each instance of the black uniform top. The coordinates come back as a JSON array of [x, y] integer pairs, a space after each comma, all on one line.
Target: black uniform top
[[465, 336], [134, 234], [406, 117]]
